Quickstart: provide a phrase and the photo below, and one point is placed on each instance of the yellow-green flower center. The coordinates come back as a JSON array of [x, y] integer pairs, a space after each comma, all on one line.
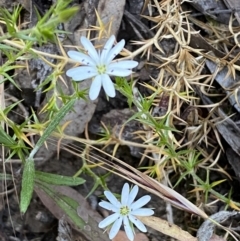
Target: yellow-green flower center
[[101, 69], [124, 210]]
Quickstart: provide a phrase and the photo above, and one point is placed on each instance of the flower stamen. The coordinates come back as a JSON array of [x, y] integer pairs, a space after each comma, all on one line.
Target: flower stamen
[[124, 210], [101, 69]]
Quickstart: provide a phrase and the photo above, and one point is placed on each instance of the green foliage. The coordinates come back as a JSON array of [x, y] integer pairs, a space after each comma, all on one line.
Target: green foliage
[[52, 126], [29, 170], [46, 27], [68, 205], [11, 19], [166, 153], [27, 184], [55, 179], [125, 87]]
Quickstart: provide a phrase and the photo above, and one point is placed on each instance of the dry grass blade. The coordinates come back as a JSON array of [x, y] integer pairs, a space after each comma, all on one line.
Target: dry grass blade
[[169, 229], [152, 186]]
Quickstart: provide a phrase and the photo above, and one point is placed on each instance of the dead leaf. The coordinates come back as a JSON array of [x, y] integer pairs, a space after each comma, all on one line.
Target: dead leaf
[[62, 200], [165, 227], [234, 5], [227, 128], [108, 10], [207, 8], [205, 232], [227, 82]]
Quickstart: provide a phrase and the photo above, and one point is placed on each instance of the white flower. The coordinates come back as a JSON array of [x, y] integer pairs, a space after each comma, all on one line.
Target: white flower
[[98, 66], [125, 211]]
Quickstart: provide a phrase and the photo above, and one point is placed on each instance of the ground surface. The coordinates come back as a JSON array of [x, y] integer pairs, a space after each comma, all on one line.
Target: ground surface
[[184, 82]]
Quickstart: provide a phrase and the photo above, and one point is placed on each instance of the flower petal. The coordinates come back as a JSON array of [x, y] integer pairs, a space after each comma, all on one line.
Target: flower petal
[[142, 212], [82, 58], [108, 206], [115, 228], [112, 199], [132, 195], [90, 49], [125, 194], [81, 73], [126, 64], [140, 202], [107, 47], [108, 220], [95, 87], [137, 223], [114, 51], [108, 85], [128, 229], [118, 72]]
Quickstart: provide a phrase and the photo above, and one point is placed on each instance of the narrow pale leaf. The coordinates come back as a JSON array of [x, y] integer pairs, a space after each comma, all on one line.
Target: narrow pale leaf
[[27, 184], [167, 228], [58, 179], [52, 126], [64, 201]]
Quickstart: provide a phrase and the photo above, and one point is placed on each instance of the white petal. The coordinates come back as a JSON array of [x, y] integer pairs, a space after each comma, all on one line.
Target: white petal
[[108, 206], [125, 194], [119, 72], [142, 212], [81, 73], [115, 228], [132, 195], [95, 87], [137, 223], [128, 229], [127, 64], [112, 199], [114, 51], [108, 85], [82, 58], [140, 202], [108, 220], [90, 49], [107, 48]]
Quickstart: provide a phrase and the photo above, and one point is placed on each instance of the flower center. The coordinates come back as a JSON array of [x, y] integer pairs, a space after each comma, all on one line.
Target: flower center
[[124, 210], [101, 69]]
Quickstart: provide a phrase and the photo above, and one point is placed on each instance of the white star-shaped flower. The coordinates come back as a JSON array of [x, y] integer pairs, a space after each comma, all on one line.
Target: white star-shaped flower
[[100, 66], [125, 211]]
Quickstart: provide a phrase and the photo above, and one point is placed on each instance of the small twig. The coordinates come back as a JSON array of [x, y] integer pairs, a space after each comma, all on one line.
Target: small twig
[[217, 11]]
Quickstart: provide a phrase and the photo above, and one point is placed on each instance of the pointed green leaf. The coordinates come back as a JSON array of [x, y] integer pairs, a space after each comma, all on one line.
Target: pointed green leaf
[[6, 139], [68, 205], [52, 126], [27, 185], [73, 207], [4, 176], [58, 179]]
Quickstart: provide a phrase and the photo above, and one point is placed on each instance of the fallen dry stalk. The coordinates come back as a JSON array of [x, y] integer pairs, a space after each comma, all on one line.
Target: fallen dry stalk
[[165, 227]]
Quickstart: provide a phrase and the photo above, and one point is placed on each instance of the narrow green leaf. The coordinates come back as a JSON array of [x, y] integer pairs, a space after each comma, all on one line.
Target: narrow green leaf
[[52, 126], [6, 139], [6, 47], [27, 184], [29, 169], [58, 179], [64, 201], [4, 176], [67, 204]]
